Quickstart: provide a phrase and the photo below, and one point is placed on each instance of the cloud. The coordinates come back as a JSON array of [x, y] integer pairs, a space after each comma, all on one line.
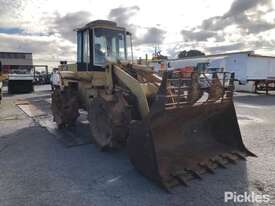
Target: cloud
[[10, 7], [251, 45], [123, 15], [152, 35], [245, 14], [50, 34], [52, 42], [238, 29], [65, 25], [40, 46], [263, 43], [173, 51], [260, 43], [241, 6], [225, 48], [201, 35], [10, 11]]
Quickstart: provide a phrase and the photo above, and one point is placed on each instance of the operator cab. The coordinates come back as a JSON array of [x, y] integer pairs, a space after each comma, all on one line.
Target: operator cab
[[99, 41]]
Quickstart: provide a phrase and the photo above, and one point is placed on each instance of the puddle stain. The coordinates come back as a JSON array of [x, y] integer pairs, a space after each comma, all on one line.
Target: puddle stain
[[246, 119]]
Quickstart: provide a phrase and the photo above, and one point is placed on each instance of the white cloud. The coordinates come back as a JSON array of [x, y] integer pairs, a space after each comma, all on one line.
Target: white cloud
[[48, 25], [65, 25], [46, 50]]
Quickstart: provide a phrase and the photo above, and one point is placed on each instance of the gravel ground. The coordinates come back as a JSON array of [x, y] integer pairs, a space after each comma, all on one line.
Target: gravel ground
[[36, 169]]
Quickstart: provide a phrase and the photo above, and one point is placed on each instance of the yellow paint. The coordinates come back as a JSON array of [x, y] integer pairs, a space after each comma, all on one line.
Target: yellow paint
[[135, 87]]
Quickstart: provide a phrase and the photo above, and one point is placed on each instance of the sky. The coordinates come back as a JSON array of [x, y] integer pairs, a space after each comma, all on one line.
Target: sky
[[45, 27]]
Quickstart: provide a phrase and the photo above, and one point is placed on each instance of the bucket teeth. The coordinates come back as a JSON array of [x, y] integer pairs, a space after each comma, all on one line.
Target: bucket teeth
[[221, 160], [239, 155], [229, 158], [181, 180], [218, 162], [194, 173], [207, 168], [187, 174]]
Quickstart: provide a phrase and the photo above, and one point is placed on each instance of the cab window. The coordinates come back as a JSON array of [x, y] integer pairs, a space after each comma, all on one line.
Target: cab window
[[108, 44], [86, 47]]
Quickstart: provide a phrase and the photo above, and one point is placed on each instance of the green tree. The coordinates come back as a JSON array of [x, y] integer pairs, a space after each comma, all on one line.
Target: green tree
[[190, 53]]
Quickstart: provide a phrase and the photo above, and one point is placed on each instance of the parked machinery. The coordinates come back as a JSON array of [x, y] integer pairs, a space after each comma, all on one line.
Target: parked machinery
[[2, 78], [20, 81], [174, 128]]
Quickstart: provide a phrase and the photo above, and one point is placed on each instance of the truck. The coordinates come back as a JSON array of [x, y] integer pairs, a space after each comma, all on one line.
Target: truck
[[20, 81]]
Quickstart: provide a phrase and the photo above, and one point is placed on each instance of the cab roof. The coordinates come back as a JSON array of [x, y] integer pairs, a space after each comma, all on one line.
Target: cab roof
[[101, 24]]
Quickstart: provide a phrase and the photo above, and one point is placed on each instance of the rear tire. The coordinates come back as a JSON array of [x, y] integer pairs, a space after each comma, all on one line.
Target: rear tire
[[65, 107]]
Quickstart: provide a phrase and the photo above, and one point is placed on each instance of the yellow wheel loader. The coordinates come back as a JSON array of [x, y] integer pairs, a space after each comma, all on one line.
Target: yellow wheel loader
[[175, 126]]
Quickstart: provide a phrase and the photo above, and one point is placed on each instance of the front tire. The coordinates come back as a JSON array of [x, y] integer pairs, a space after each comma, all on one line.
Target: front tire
[[109, 121]]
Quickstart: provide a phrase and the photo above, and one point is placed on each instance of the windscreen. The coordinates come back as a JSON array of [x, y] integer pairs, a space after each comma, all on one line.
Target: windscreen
[[108, 44]]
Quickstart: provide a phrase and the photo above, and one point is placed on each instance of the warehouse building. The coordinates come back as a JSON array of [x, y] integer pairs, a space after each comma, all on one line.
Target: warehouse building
[[14, 61]]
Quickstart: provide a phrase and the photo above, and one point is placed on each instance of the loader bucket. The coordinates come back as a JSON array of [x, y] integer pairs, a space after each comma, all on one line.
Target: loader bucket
[[174, 144]]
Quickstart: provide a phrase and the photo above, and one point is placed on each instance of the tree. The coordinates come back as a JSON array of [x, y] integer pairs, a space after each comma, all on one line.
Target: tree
[[190, 53]]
